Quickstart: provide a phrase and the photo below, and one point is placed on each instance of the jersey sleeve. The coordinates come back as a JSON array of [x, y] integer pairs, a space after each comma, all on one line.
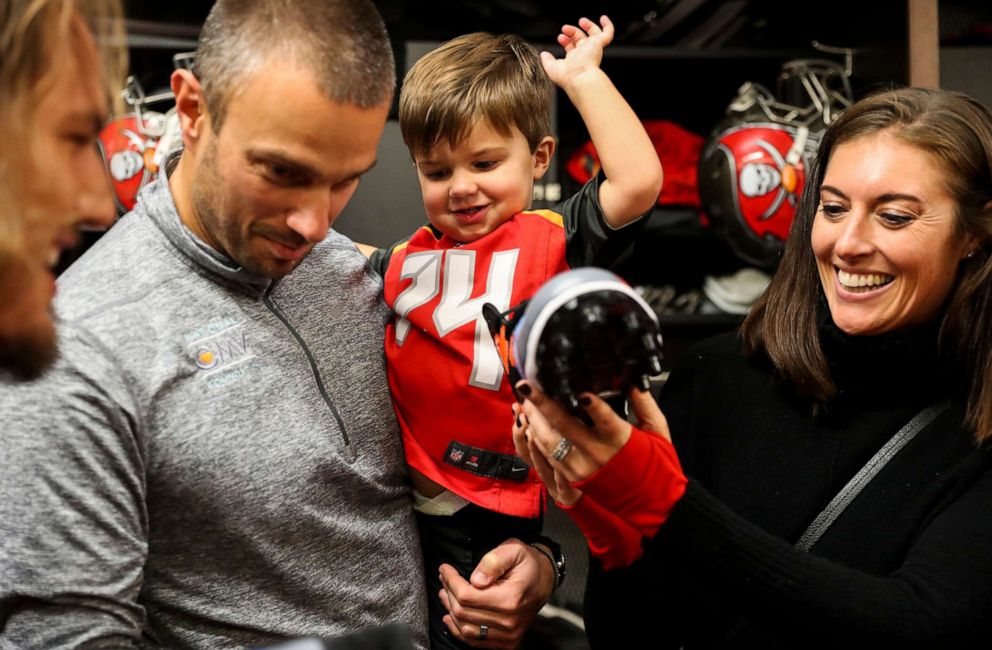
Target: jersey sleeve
[[589, 239], [379, 260], [75, 531], [661, 482], [610, 539]]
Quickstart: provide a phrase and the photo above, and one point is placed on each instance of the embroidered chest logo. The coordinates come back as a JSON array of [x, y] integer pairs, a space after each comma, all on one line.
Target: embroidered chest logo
[[457, 307], [221, 351]]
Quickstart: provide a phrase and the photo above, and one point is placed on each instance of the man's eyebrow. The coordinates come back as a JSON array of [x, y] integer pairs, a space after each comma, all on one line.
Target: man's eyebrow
[[280, 158]]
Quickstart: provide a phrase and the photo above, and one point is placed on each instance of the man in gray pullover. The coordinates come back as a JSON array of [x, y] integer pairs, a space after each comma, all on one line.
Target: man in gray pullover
[[214, 462]]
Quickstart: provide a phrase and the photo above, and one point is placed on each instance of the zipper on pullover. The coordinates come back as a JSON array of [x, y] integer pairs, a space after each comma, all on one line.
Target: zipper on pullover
[[349, 452]]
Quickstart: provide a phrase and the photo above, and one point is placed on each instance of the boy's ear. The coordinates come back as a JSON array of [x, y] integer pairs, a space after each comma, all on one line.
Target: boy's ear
[[542, 156], [190, 105]]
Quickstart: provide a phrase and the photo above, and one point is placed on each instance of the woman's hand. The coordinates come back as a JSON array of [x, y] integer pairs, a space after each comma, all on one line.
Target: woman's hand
[[558, 487], [566, 445]]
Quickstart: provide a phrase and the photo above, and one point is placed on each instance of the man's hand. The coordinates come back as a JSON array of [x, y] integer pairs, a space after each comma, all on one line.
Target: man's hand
[[506, 590]]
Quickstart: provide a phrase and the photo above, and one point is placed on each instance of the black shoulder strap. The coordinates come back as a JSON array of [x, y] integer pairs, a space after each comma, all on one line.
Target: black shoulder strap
[[853, 488]]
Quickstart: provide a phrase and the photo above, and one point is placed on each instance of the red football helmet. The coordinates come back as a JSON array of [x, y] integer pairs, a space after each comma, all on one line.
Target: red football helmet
[[754, 166], [135, 145]]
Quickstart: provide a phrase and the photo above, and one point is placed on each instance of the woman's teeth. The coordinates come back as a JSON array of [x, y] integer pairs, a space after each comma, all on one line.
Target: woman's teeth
[[860, 280]]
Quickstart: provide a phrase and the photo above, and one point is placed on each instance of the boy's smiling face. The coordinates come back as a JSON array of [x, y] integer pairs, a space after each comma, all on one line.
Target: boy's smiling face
[[473, 187]]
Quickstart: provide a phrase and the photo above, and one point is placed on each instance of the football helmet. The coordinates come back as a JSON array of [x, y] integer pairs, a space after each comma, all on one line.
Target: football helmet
[[135, 145], [754, 166], [585, 330]]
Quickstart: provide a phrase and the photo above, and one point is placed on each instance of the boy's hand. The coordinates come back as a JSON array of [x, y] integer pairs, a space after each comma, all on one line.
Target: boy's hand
[[583, 50]]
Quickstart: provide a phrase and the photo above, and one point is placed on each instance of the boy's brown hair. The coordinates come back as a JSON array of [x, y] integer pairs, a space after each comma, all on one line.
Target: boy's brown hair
[[479, 76]]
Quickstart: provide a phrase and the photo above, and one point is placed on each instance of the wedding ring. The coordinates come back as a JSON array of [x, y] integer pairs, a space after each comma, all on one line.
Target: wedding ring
[[564, 446], [483, 632]]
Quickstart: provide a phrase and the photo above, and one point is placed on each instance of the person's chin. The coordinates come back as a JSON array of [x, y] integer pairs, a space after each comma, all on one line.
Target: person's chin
[[26, 354]]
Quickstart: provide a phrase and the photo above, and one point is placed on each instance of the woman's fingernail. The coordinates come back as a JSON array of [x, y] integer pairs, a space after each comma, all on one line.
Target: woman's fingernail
[[585, 401], [524, 389]]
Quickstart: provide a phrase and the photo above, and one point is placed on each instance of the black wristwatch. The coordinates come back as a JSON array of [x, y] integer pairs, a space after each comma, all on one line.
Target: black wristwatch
[[551, 550]]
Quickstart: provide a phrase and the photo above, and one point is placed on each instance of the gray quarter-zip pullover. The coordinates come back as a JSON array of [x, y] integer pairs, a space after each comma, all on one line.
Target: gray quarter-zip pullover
[[213, 462]]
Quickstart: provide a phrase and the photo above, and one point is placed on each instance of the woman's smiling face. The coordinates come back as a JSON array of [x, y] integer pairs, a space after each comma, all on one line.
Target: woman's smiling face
[[885, 236]]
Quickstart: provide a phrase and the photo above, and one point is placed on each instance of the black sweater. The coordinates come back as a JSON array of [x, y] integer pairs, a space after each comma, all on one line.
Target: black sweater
[[908, 564]]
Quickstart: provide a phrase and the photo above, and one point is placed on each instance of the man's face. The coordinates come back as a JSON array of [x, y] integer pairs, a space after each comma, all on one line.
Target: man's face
[[65, 188], [270, 184]]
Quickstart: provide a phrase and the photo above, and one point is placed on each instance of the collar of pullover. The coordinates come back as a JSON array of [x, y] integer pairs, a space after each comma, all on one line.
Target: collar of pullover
[[156, 203], [894, 366]]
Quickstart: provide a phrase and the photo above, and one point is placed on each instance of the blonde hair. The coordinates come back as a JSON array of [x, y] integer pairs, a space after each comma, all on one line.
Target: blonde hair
[[30, 34], [472, 78]]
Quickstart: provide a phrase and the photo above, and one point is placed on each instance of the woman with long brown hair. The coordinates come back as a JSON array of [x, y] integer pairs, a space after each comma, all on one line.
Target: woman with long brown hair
[[837, 448]]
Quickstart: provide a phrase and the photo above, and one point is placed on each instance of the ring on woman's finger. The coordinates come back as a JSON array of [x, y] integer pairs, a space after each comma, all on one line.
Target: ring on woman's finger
[[483, 632], [527, 434], [564, 446]]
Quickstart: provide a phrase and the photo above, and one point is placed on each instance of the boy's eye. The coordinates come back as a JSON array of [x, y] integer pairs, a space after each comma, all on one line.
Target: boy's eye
[[485, 164], [436, 174]]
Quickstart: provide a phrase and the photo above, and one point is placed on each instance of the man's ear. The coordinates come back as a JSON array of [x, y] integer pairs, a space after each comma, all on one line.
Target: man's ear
[[542, 156], [190, 106]]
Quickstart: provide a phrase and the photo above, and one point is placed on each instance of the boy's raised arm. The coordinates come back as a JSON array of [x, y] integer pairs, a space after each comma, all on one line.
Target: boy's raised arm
[[633, 171]]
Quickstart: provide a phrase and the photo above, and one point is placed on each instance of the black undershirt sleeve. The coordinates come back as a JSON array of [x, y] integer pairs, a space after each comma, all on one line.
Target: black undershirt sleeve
[[590, 241]]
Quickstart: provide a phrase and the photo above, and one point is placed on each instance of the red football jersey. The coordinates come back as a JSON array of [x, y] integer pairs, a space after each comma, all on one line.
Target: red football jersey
[[445, 374], [449, 391]]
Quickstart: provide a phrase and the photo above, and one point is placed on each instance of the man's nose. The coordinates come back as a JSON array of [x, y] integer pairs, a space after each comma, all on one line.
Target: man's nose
[[95, 207], [312, 220]]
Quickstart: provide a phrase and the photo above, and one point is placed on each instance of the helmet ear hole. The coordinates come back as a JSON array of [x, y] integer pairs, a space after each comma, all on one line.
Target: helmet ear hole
[[586, 330]]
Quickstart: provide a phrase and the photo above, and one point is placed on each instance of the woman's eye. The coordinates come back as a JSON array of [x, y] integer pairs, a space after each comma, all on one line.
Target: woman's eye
[[832, 209], [894, 220]]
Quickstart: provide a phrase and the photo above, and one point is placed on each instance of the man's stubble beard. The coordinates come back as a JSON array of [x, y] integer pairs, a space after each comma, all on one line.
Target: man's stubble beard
[[211, 206]]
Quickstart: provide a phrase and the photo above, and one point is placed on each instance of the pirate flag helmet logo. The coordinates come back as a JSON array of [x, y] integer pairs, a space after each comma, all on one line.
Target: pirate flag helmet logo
[[754, 166], [134, 146]]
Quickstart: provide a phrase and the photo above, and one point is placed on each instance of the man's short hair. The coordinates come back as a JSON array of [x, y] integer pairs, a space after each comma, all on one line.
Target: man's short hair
[[498, 79], [343, 43]]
